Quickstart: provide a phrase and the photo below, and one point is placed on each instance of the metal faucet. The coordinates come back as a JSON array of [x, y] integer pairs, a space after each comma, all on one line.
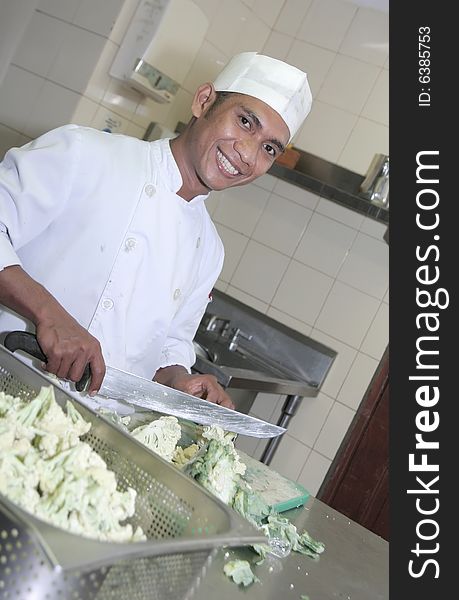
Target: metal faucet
[[236, 334], [217, 324]]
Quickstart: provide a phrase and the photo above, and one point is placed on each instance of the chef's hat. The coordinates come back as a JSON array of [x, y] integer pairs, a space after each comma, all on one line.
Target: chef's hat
[[280, 85]]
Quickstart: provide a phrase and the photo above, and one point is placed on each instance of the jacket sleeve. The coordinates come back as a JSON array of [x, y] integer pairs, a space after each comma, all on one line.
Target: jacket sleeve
[[35, 181], [178, 348]]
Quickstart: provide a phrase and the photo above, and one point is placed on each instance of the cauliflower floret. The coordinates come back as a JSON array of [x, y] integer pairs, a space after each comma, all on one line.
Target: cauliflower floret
[[49, 471], [160, 435]]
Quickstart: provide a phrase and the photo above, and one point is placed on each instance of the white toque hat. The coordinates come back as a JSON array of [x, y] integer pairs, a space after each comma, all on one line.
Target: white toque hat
[[281, 86]]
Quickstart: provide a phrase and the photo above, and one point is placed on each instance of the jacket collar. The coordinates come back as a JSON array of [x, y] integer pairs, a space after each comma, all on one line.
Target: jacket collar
[[172, 178]]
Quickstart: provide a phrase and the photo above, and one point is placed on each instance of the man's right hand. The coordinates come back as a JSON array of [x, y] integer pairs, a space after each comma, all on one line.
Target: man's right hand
[[67, 345], [69, 348]]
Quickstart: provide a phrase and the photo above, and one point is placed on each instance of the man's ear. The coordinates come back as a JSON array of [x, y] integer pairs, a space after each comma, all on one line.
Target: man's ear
[[204, 97]]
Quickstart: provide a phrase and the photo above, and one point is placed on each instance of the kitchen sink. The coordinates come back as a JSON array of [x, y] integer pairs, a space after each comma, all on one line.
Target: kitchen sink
[[249, 352]]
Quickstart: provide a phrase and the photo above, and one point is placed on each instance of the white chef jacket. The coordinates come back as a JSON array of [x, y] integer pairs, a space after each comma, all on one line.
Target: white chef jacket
[[95, 218]]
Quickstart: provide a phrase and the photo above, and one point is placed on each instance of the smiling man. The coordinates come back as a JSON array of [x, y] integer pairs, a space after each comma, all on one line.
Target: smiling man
[[107, 251]]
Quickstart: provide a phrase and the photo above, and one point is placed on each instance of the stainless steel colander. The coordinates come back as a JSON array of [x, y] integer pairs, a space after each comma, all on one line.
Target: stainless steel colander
[[183, 523]]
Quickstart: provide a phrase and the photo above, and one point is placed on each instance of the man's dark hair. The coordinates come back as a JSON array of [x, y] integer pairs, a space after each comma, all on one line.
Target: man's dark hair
[[221, 97]]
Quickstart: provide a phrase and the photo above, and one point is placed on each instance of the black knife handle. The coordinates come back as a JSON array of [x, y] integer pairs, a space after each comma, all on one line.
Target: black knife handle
[[82, 384], [27, 342], [23, 340]]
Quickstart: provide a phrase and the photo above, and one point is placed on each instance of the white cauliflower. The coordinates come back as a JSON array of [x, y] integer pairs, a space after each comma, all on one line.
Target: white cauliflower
[[160, 435], [49, 471]]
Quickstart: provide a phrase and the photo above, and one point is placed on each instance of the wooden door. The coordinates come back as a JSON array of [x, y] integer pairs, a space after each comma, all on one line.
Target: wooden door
[[357, 483]]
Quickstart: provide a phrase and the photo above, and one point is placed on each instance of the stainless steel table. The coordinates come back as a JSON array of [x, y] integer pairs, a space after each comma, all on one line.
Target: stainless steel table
[[354, 566]]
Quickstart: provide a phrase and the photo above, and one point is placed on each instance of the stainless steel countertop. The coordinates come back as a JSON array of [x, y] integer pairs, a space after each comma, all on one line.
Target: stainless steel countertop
[[354, 565], [247, 379]]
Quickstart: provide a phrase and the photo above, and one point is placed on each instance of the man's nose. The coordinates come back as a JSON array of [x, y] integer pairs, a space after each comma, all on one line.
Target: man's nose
[[247, 150]]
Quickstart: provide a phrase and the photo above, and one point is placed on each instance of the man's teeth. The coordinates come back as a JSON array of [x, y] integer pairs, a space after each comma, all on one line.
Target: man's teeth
[[225, 163]]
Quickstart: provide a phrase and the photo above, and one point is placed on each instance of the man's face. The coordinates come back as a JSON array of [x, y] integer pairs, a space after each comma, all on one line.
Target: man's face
[[236, 141]]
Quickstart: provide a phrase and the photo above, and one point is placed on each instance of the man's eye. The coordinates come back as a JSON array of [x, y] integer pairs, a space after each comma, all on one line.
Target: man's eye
[[270, 150], [245, 122]]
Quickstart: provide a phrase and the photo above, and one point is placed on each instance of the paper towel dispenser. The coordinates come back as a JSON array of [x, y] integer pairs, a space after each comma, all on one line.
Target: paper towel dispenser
[[160, 46]]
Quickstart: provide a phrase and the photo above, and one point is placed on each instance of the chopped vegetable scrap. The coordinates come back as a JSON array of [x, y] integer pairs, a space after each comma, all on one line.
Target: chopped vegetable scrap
[[240, 572], [219, 468], [47, 470], [214, 463]]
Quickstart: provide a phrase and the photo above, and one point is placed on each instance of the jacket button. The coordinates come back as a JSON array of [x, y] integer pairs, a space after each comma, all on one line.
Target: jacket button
[[130, 243], [198, 242], [177, 294], [107, 303], [150, 189]]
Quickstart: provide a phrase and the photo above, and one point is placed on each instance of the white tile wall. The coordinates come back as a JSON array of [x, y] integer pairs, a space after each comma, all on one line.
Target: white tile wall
[[260, 271], [265, 405], [54, 105], [303, 292], [366, 266], [207, 64], [8, 139], [282, 224], [325, 244], [249, 201], [326, 131], [267, 10], [348, 84], [367, 139], [209, 7], [252, 33], [41, 44], [229, 19], [377, 337], [62, 9], [296, 194], [312, 59], [314, 471], [335, 42], [368, 37], [98, 16], [377, 104], [373, 228], [267, 182], [18, 95], [291, 16], [340, 213], [334, 430], [341, 365], [359, 309], [310, 418], [290, 457], [235, 244], [277, 45], [74, 63], [356, 382], [319, 29]]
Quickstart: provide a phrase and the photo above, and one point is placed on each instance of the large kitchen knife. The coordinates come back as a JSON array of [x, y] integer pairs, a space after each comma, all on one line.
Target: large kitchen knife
[[127, 387]]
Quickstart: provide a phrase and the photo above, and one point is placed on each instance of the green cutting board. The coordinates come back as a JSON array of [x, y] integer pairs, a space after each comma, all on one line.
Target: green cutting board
[[278, 492]]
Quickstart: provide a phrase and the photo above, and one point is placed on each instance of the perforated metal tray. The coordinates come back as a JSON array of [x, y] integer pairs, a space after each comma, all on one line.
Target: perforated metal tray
[[180, 519]]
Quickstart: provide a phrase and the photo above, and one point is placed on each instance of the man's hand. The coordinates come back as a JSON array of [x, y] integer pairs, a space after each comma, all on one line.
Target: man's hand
[[69, 348], [202, 386]]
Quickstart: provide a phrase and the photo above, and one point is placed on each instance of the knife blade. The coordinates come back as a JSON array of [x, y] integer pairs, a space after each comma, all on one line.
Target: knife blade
[[121, 385], [138, 391]]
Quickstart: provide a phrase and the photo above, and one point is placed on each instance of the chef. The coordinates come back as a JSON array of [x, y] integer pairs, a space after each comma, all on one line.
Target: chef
[[107, 251]]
